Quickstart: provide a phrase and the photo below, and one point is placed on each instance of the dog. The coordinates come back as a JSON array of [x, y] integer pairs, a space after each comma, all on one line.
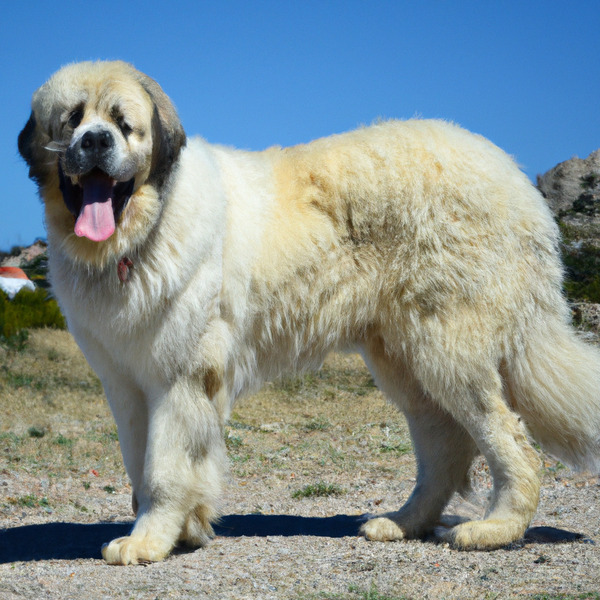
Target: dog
[[190, 273]]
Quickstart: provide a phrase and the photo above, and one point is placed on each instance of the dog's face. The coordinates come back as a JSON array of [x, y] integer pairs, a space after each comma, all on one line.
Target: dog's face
[[102, 138]]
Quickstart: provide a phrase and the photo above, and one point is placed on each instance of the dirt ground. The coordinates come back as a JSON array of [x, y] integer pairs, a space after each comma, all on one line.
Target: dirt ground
[[310, 457]]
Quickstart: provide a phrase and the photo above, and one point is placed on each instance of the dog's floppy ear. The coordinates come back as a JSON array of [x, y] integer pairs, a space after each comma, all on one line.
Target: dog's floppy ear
[[32, 151], [169, 136], [26, 138], [31, 145]]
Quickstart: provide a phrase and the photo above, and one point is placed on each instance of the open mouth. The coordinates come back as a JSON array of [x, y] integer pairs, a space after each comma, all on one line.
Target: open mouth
[[96, 202]]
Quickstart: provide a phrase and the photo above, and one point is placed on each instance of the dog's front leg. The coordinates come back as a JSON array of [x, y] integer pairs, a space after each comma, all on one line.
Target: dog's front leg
[[183, 469]]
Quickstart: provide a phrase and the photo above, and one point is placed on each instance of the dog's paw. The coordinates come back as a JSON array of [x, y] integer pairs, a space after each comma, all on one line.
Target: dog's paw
[[382, 529], [488, 534], [197, 530], [132, 550]]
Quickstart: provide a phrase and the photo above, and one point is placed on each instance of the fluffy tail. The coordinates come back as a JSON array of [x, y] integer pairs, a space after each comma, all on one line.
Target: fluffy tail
[[554, 383]]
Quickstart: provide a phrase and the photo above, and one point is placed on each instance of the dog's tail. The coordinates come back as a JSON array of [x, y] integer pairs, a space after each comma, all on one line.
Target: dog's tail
[[554, 383]]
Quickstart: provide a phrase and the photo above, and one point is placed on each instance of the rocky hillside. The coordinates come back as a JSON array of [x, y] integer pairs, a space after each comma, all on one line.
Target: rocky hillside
[[572, 189], [32, 259]]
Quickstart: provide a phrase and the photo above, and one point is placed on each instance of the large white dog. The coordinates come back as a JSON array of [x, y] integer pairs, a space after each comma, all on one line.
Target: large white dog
[[190, 273]]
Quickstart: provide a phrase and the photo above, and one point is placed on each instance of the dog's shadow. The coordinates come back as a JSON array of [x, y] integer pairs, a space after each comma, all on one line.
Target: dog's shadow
[[69, 541]]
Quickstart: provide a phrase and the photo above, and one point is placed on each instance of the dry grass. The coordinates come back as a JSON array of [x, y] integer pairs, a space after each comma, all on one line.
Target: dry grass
[[56, 426]]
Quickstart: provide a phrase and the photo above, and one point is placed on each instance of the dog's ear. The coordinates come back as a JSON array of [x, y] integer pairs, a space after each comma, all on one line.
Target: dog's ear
[[26, 138], [31, 149], [169, 136]]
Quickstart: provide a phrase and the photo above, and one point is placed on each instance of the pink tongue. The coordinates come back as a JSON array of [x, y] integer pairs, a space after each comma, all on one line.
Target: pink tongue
[[96, 220]]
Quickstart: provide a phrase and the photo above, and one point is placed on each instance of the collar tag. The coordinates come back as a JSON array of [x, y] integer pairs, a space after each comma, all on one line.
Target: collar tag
[[123, 268]]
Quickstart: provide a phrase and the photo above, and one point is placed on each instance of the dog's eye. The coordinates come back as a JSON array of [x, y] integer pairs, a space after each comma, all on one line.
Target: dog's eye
[[75, 117], [124, 126], [121, 122]]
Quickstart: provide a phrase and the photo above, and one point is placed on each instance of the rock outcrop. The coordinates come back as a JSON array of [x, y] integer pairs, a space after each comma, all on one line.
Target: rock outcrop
[[572, 189], [21, 257]]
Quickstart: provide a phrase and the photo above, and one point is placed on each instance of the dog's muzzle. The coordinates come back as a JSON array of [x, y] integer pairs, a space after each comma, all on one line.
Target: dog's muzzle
[[90, 185], [95, 148]]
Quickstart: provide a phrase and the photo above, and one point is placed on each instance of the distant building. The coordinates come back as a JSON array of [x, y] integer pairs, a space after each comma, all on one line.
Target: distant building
[[13, 279]]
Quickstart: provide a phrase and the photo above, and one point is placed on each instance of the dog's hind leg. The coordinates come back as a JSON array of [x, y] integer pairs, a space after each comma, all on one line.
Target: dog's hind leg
[[444, 452], [514, 466], [443, 448], [469, 387]]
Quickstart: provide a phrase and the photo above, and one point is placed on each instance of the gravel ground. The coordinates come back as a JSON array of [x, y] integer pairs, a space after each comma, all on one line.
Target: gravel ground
[[306, 549]]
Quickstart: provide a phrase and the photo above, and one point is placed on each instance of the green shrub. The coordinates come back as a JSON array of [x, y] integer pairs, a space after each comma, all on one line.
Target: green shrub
[[582, 261], [582, 282], [319, 490], [400, 448], [27, 310], [16, 342], [37, 271]]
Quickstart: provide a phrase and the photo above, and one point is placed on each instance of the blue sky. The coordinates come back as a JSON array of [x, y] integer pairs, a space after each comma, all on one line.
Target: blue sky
[[525, 74]]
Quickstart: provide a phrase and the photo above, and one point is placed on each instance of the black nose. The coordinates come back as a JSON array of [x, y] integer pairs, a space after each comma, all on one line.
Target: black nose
[[97, 141]]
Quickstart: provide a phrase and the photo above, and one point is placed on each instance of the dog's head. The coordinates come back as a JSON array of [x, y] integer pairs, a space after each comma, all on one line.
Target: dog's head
[[102, 138]]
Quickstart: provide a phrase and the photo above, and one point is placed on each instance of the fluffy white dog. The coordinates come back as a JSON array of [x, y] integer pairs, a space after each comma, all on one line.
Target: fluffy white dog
[[190, 273]]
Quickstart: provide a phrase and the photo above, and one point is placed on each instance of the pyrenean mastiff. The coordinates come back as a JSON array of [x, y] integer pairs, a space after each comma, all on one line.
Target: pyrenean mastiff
[[191, 273]]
